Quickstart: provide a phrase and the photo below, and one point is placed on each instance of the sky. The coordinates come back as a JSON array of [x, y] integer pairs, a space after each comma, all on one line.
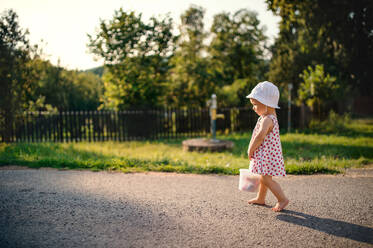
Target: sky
[[60, 27]]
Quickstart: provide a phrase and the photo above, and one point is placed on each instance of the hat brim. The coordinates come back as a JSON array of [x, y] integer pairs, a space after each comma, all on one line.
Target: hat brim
[[261, 100]]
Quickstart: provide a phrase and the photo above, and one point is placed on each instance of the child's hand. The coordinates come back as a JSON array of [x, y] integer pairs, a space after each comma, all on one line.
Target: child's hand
[[249, 155]]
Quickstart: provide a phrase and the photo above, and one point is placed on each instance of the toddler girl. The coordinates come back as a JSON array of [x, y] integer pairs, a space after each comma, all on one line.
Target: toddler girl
[[265, 151]]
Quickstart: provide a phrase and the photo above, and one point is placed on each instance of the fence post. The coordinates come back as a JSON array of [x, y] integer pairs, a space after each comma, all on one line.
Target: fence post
[[290, 87], [213, 116]]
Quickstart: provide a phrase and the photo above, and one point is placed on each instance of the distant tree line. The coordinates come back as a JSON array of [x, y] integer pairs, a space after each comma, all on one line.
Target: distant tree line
[[147, 65], [30, 83], [324, 48]]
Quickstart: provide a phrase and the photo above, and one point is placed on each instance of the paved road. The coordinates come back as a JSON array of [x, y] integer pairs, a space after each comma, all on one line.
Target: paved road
[[52, 208]]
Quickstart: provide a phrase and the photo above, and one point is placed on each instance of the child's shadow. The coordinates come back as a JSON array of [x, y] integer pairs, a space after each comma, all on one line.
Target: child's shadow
[[329, 226]]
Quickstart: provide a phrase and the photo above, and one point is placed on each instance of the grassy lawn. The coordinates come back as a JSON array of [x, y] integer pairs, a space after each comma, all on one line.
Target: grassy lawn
[[304, 153]]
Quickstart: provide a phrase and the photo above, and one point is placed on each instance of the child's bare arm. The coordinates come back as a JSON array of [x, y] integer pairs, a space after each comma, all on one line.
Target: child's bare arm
[[264, 129]]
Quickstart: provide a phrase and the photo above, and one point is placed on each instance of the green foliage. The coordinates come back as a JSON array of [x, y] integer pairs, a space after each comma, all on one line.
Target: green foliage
[[335, 123], [86, 90], [16, 74], [229, 66], [237, 55], [146, 65], [287, 59], [235, 93], [237, 47], [336, 34], [144, 69], [40, 105], [64, 89], [190, 82], [136, 56], [29, 83], [319, 90]]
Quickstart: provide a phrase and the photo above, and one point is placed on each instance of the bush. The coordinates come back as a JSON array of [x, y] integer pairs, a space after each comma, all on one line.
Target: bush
[[319, 90], [333, 124]]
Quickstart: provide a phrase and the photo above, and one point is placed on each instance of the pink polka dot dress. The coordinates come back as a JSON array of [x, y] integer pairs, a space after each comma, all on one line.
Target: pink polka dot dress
[[267, 158]]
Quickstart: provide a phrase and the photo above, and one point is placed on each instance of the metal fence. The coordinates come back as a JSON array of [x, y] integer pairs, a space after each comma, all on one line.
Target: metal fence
[[140, 124]]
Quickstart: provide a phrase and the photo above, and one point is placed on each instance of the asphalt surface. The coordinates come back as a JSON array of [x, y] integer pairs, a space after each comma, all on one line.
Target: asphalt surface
[[54, 208]]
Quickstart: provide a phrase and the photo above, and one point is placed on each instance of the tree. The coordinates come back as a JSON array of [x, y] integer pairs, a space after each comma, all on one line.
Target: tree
[[16, 77], [238, 45], [348, 30], [337, 34], [190, 83], [136, 57], [56, 88], [88, 89], [237, 54]]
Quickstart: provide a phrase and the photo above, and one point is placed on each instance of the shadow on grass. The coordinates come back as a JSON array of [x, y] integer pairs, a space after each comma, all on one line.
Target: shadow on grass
[[356, 128], [348, 133], [333, 227], [308, 150], [305, 150]]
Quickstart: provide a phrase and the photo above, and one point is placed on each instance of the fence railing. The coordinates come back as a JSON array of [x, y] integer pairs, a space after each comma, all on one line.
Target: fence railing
[[91, 126]]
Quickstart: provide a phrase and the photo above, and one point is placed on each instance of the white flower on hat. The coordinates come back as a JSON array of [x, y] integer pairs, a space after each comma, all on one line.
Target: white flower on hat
[[266, 93]]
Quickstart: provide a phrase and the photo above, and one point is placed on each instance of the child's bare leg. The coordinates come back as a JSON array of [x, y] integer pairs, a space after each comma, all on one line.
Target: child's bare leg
[[261, 196], [275, 188]]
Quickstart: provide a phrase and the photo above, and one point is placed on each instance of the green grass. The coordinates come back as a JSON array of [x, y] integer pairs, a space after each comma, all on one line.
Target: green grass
[[303, 153]]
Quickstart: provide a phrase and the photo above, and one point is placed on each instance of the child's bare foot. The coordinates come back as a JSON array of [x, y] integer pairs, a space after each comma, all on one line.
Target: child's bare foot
[[280, 205], [256, 201]]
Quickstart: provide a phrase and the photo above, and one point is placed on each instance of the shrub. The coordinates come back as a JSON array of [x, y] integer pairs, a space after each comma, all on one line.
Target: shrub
[[333, 124]]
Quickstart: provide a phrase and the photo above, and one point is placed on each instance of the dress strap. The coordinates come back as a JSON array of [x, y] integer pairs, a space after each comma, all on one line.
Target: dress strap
[[274, 118], [271, 116]]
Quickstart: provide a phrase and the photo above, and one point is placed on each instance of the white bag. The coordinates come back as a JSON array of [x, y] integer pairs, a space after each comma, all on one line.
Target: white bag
[[248, 181]]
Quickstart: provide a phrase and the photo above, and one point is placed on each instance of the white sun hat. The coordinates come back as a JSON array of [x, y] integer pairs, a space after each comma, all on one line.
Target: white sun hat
[[266, 93]]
